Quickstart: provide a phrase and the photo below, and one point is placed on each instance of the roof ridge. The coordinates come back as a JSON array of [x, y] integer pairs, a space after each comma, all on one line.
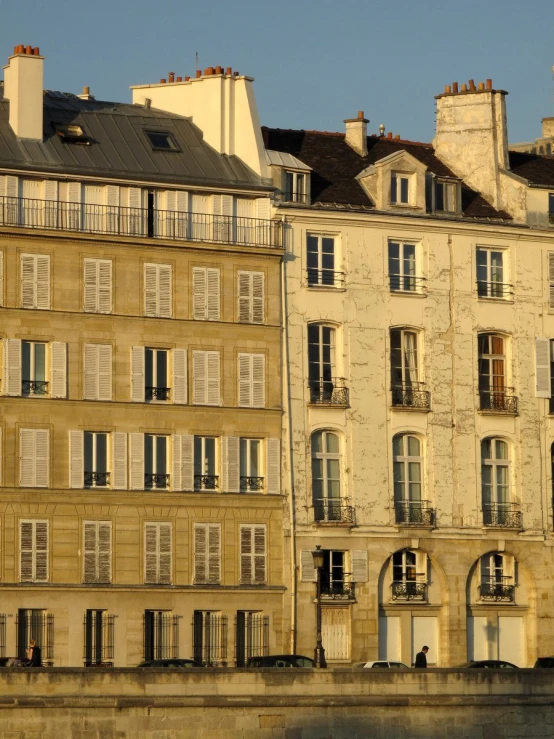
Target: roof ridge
[[341, 134]]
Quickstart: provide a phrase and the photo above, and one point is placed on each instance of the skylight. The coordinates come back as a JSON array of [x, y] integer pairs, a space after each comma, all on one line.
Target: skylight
[[162, 141]]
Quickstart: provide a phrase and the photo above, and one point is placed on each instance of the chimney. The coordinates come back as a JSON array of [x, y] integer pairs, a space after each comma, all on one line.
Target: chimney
[[23, 87], [356, 133], [471, 136]]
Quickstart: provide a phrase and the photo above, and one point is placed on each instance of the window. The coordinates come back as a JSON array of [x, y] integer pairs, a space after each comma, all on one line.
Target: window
[[442, 195], [98, 285], [156, 476], [97, 561], [295, 187], [33, 368], [99, 627], [96, 459], [253, 554], [162, 141], [157, 553], [91, 456], [156, 374], [409, 575], [33, 551], [322, 262], [491, 277], [34, 458], [497, 577], [252, 636], [157, 290], [150, 374], [408, 482], [326, 475], [161, 635], [494, 395], [251, 297], [97, 372], [205, 463], [402, 267], [207, 553], [35, 281], [206, 378], [209, 639], [251, 372], [407, 390], [551, 207], [335, 581], [205, 294], [35, 624], [400, 188], [251, 479], [71, 133], [321, 362], [498, 510]]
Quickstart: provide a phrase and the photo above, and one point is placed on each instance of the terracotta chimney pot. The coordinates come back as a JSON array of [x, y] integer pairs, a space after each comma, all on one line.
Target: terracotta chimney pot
[[389, 135], [464, 87], [454, 87], [219, 70], [198, 73], [187, 79], [447, 90], [481, 86], [162, 81], [28, 49], [171, 76], [229, 71], [472, 85]]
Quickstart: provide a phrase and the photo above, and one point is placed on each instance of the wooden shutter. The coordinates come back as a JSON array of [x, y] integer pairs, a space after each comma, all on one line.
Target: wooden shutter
[[199, 378], [150, 552], [509, 568], [26, 551], [41, 551], [136, 462], [359, 564], [164, 291], [28, 280], [97, 374], [90, 301], [199, 293], [258, 297], [33, 551], [259, 534], [214, 553], [307, 569], [1, 455], [273, 483], [104, 267], [112, 208], [1, 277], [150, 289], [551, 278], [164, 554], [177, 462], [76, 460], [58, 374], [421, 566], [180, 376], [187, 462], [90, 569], [263, 208], [542, 368], [27, 457], [104, 372], [213, 381], [12, 367], [245, 296], [104, 551], [119, 457], [258, 380], [51, 206], [136, 215], [230, 464], [252, 554], [137, 374], [42, 457], [213, 297], [42, 281], [251, 380], [207, 553], [245, 380]]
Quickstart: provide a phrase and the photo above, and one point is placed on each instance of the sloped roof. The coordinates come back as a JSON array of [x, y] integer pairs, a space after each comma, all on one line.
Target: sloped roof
[[335, 166], [539, 170], [120, 147]]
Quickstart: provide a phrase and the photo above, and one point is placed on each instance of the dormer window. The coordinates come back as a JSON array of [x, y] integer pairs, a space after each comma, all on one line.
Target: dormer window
[[295, 187], [443, 195], [400, 188], [70, 133]]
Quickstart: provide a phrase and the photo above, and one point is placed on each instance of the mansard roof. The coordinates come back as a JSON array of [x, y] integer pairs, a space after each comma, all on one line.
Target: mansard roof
[[537, 169]]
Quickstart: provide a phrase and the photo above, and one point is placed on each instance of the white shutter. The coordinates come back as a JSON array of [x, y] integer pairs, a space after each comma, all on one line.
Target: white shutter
[[258, 380], [251, 372], [246, 573], [245, 380], [273, 484], [180, 376], [508, 568], [252, 554], [104, 391], [307, 569], [187, 462], [1, 455], [214, 389], [263, 208], [11, 186], [76, 459], [199, 293], [1, 278], [359, 564], [177, 462], [200, 573], [119, 456], [104, 286], [90, 268], [230, 464], [150, 289], [551, 278], [135, 212], [73, 217], [542, 365], [97, 551], [112, 208], [214, 553], [42, 281], [259, 554], [164, 291], [12, 367], [137, 374], [199, 377], [150, 552], [421, 566], [258, 297], [164, 554], [251, 297], [27, 457], [26, 550], [41, 551], [42, 458], [104, 551], [58, 375], [28, 280], [136, 463], [51, 205], [213, 298], [89, 551]]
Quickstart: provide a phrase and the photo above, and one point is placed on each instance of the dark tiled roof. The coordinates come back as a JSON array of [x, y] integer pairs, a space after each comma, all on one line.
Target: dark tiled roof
[[539, 170], [335, 166]]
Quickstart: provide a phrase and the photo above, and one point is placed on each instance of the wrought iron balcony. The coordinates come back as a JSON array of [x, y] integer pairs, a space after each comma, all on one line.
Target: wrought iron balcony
[[333, 511], [339, 589], [502, 515], [411, 396], [154, 481], [499, 401], [157, 393], [332, 391], [494, 289], [325, 278], [409, 590], [251, 484], [295, 197], [414, 512], [206, 482], [97, 479], [148, 222], [500, 589], [406, 283], [34, 387]]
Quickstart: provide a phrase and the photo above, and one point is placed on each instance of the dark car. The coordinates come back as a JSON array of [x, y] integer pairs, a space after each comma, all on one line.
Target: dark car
[[544, 662], [173, 664], [280, 660], [495, 664]]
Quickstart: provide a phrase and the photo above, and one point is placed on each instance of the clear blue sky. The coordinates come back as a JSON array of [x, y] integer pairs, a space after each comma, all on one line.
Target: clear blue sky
[[316, 62]]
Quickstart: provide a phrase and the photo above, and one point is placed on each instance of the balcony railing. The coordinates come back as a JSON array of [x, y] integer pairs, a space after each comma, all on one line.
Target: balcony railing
[[251, 484], [325, 278], [154, 481], [97, 479], [295, 197], [333, 511], [502, 515], [332, 391], [409, 590], [406, 283], [339, 589], [157, 393], [150, 222], [499, 401], [500, 589], [416, 513], [411, 396], [206, 482], [494, 289], [34, 387]]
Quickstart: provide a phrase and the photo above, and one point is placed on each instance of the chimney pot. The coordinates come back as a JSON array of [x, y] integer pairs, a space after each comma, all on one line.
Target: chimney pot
[[472, 85], [481, 86], [360, 114], [179, 79], [147, 103], [447, 90], [389, 135], [464, 87], [86, 90], [236, 74], [489, 84], [397, 137], [162, 81], [219, 70], [171, 76], [209, 71], [187, 79], [454, 87], [36, 51], [28, 49], [229, 71], [198, 73]]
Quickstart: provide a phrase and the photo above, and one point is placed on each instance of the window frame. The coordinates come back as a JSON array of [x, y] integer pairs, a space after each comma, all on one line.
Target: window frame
[[409, 282], [199, 465], [326, 278], [153, 462], [172, 148], [33, 369], [296, 194], [398, 178], [326, 457], [491, 288], [405, 462], [495, 463], [156, 387]]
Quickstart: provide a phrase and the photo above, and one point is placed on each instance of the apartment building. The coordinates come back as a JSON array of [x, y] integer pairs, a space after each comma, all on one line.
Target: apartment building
[[141, 512]]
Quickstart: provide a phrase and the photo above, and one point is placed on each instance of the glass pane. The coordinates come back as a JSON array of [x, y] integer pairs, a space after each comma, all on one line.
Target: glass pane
[[414, 471], [88, 452], [404, 189], [148, 449], [26, 360], [313, 244], [243, 457], [333, 488], [415, 491], [317, 442], [413, 446], [255, 458], [40, 362], [149, 367], [161, 455], [198, 455], [288, 185], [161, 379], [300, 186], [439, 196], [398, 446], [393, 188], [398, 471], [332, 443], [101, 453], [486, 449], [209, 456], [501, 449], [317, 469], [333, 469]]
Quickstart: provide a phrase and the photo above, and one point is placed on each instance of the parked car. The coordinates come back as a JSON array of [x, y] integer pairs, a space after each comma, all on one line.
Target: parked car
[[383, 663], [495, 664], [280, 660], [544, 662], [174, 664]]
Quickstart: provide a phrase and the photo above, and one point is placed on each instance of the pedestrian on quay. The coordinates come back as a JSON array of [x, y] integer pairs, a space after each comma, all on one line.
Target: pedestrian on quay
[[421, 657]]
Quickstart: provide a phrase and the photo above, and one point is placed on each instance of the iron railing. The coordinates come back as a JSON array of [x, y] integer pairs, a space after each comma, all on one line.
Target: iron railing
[[295, 197], [160, 635], [155, 481], [150, 222], [206, 482], [251, 636], [411, 396], [37, 625], [331, 391], [209, 638], [494, 289], [499, 589], [409, 590], [325, 278], [98, 641], [2, 634], [97, 479], [327, 510], [156, 393], [343, 589], [415, 512], [499, 401], [406, 283], [503, 515], [34, 387], [251, 484]]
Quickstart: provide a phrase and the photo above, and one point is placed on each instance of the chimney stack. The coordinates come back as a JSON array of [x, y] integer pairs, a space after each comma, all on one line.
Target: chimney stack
[[23, 87], [356, 133]]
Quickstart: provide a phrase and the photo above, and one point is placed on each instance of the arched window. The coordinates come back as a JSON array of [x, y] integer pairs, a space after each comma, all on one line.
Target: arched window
[[497, 577], [408, 481], [498, 510], [326, 474], [409, 575]]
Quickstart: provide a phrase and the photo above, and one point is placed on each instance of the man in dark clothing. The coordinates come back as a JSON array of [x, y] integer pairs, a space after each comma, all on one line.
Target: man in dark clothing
[[36, 656], [421, 658]]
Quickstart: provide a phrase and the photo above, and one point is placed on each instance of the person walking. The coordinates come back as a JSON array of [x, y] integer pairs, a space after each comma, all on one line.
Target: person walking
[[421, 657]]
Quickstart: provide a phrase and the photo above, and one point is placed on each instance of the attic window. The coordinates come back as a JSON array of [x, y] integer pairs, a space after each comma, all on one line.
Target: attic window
[[443, 195], [162, 141], [70, 133]]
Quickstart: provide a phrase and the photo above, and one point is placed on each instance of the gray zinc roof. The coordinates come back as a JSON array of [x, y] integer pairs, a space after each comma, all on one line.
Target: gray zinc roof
[[120, 148]]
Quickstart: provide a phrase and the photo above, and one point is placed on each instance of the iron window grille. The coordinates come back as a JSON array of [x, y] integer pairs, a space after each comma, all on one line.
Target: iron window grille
[[97, 479], [498, 589], [411, 396], [325, 278], [417, 512], [343, 589], [328, 510], [154, 481], [206, 482], [160, 635], [329, 391], [499, 401], [251, 636], [503, 515], [251, 484], [157, 393], [37, 625], [99, 628], [494, 289], [409, 590], [34, 387], [2, 634], [209, 638]]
